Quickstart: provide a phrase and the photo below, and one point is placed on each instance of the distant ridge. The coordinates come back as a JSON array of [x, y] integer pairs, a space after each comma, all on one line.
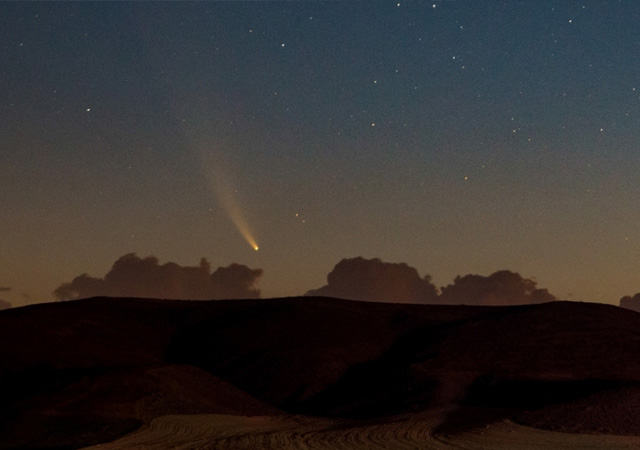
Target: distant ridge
[[84, 372]]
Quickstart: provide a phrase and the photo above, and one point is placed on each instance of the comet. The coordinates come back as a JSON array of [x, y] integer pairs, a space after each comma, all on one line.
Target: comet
[[230, 204], [226, 195]]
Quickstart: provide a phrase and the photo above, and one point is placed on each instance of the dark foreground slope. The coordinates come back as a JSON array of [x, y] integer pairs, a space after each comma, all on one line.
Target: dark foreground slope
[[84, 372]]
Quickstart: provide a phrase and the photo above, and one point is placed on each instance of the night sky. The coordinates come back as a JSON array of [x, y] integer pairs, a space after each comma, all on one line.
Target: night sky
[[460, 136]]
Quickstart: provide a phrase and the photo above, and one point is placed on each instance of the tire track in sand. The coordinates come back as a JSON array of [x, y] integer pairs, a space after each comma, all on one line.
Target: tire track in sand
[[226, 432]]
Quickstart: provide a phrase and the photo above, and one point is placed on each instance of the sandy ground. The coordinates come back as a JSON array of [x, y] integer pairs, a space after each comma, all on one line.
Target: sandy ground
[[297, 432]]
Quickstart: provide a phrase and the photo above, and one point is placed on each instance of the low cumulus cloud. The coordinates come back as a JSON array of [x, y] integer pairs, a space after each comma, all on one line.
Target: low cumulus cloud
[[132, 276], [377, 281], [630, 302], [4, 304], [500, 288]]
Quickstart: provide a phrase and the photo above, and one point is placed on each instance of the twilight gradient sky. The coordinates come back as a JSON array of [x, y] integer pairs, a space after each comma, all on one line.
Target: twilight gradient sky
[[459, 136]]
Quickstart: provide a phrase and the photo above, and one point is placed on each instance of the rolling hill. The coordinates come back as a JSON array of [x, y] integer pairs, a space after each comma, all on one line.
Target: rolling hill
[[84, 372]]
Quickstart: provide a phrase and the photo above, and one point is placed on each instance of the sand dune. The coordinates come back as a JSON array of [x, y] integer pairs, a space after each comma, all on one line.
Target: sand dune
[[225, 432], [87, 372]]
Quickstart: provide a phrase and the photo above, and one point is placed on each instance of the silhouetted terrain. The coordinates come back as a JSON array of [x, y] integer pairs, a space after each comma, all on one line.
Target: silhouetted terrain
[[88, 371]]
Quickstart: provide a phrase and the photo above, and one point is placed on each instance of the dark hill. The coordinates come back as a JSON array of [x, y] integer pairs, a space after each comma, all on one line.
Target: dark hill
[[84, 372]]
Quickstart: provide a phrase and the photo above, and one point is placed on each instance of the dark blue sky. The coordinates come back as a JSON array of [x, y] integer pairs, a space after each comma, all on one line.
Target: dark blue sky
[[457, 136]]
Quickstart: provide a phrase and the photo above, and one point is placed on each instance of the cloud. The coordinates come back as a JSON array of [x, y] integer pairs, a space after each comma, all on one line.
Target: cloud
[[4, 304], [132, 276], [235, 281], [500, 288], [374, 280], [629, 302]]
